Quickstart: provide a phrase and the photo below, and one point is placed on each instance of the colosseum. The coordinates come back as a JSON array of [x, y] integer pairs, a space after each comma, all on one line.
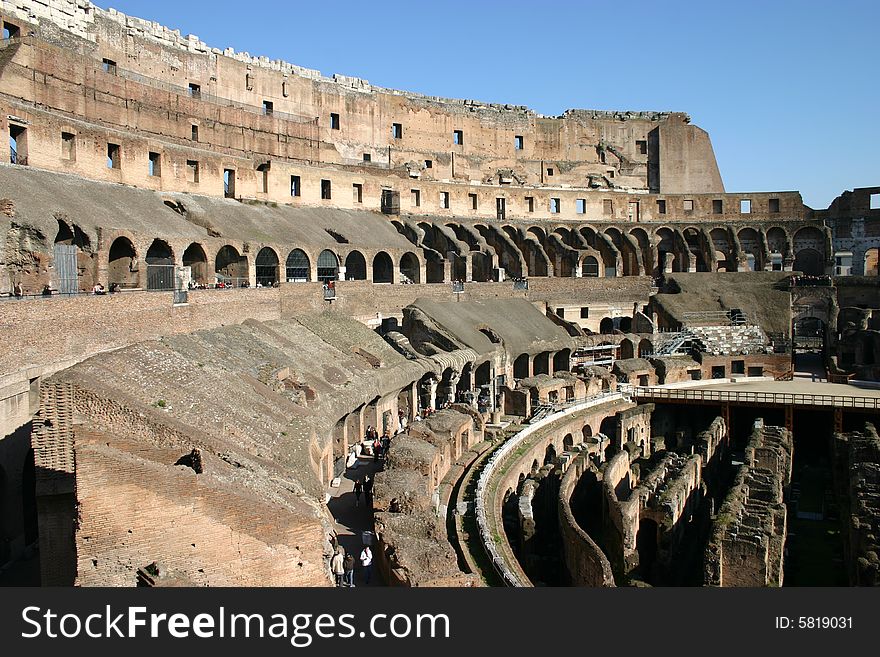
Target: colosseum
[[253, 315]]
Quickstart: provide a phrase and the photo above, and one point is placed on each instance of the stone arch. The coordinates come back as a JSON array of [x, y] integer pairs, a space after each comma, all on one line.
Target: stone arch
[[778, 246], [723, 249], [434, 268], [231, 267], [541, 364], [640, 235], [160, 266], [298, 269], [122, 266], [266, 266], [550, 454], [809, 262], [750, 245], [669, 257], [606, 326], [567, 443], [383, 268], [693, 240], [481, 267], [521, 367], [355, 266], [586, 433], [196, 259], [809, 251], [646, 348], [589, 267], [628, 254], [410, 268], [328, 266], [562, 360], [627, 349]]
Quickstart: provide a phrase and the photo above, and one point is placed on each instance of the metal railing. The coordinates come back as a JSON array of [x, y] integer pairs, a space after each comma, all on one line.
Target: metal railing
[[750, 397]]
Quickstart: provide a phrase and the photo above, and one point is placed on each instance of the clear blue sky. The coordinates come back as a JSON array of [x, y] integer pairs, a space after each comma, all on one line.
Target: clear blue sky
[[789, 91]]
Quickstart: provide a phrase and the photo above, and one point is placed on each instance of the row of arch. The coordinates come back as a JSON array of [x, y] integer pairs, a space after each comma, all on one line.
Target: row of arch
[[232, 266]]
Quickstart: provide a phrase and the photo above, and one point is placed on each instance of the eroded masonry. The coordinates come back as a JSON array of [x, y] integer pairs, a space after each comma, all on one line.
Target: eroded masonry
[[225, 280]]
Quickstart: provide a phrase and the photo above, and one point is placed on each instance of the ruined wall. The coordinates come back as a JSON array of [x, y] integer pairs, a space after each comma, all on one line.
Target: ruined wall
[[748, 534]]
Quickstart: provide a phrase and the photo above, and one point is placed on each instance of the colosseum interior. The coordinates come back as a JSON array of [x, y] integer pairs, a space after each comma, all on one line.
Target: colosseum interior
[[585, 362]]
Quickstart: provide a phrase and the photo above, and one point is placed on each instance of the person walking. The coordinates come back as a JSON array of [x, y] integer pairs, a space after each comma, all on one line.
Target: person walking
[[348, 567], [358, 488], [337, 565], [367, 563], [368, 490]]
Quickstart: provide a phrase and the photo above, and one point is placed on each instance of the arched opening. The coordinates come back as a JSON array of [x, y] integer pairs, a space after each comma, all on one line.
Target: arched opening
[[521, 367], [328, 266], [434, 270], [72, 265], [459, 267], [606, 326], [590, 267], [481, 267], [231, 267], [298, 268], [809, 262], [535, 466], [750, 244], [721, 246], [627, 349], [383, 268], [482, 375], [195, 258], [409, 268], [542, 363], [586, 433], [872, 262], [160, 266], [122, 265], [561, 360], [266, 266], [646, 545], [355, 266], [550, 454], [567, 442], [625, 324], [645, 348]]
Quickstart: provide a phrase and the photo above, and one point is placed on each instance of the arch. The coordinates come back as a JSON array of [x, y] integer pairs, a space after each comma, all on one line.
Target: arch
[[627, 349], [266, 266], [586, 433], [298, 269], [483, 375], [669, 258], [122, 266], [328, 266], [809, 261], [231, 267], [644, 243], [562, 360], [692, 239], [383, 268], [481, 267], [410, 270], [750, 245], [434, 268], [355, 266], [624, 324], [567, 443], [541, 364], [550, 454], [777, 243], [197, 260], [646, 348], [606, 326], [589, 267], [521, 367]]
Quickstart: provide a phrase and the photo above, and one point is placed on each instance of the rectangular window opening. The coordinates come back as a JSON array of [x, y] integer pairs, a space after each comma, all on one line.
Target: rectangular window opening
[[334, 121], [444, 200], [229, 183], [264, 180], [717, 206], [357, 192], [109, 66], [397, 130], [661, 206], [195, 90], [11, 31], [500, 208], [458, 137], [472, 198], [874, 202], [268, 107], [68, 146], [607, 206], [688, 205], [195, 133], [429, 164], [745, 206], [192, 170], [582, 206], [154, 167], [554, 206], [549, 171], [585, 313], [326, 191], [774, 205], [113, 154], [530, 203], [641, 147], [368, 157], [295, 186], [518, 143], [416, 198]]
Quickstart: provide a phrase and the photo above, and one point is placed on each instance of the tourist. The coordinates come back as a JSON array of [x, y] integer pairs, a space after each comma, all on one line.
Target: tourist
[[114, 288], [348, 567], [358, 488], [17, 292], [367, 563], [99, 289], [47, 291], [377, 448], [337, 565], [368, 490]]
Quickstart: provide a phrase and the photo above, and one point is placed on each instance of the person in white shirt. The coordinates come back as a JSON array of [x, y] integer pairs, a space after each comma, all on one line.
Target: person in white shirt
[[367, 563], [337, 565]]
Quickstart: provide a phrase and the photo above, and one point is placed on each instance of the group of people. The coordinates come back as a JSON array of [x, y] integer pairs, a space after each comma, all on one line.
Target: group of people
[[342, 565], [363, 485], [100, 289]]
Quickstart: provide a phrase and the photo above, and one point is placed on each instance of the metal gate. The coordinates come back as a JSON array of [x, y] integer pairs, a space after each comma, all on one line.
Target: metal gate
[[66, 269], [160, 277]]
